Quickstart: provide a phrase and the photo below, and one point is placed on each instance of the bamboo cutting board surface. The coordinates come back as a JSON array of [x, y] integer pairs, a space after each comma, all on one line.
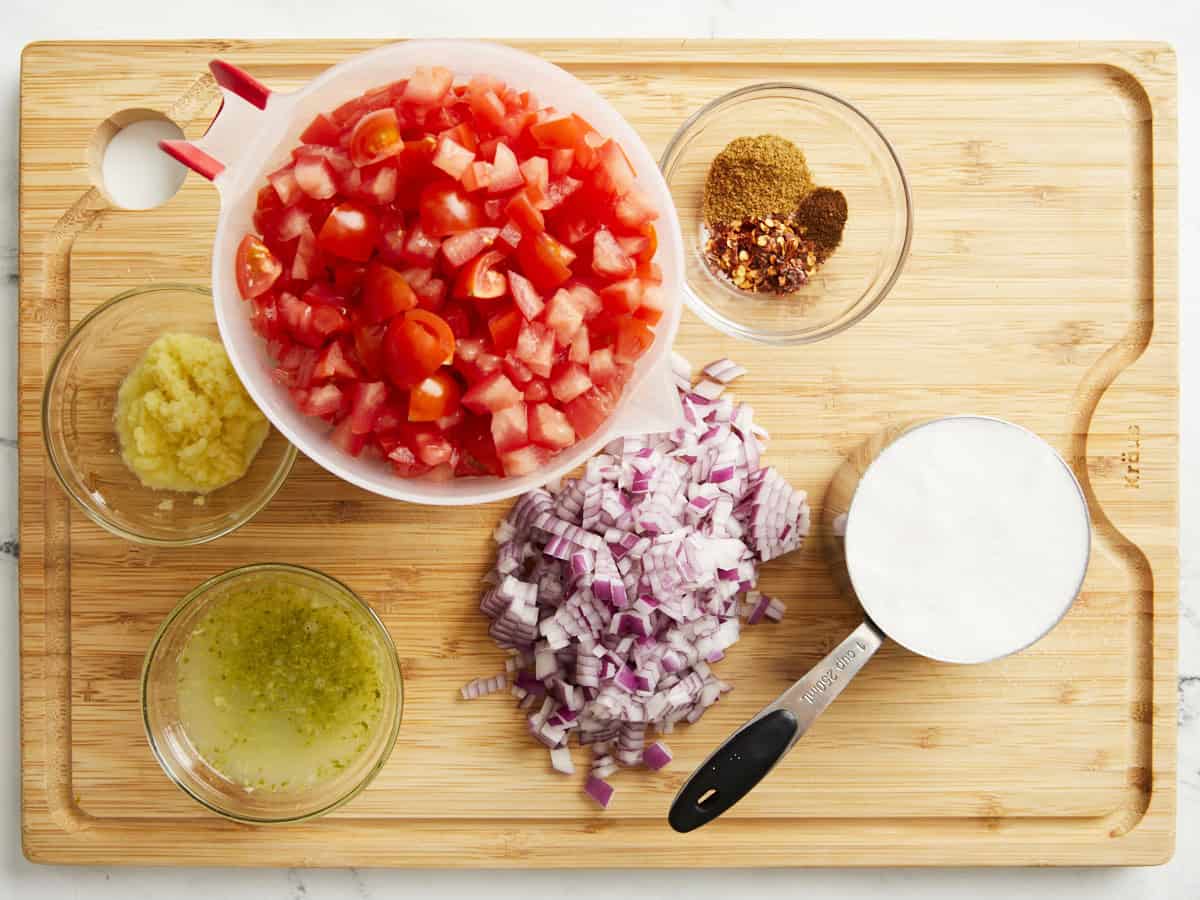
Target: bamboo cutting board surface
[[1041, 287]]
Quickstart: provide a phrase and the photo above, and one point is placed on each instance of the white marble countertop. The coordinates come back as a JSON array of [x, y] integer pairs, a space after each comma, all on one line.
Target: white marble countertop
[[1178, 21]]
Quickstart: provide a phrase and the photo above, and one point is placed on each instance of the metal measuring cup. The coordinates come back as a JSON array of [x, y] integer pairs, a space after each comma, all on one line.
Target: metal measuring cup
[[746, 757]]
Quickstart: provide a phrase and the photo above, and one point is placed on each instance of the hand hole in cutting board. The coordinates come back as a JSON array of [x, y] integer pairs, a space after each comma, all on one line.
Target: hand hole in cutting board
[[125, 163]]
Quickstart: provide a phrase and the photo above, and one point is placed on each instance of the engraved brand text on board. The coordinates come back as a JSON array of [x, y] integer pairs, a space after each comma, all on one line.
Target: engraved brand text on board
[[1132, 457]]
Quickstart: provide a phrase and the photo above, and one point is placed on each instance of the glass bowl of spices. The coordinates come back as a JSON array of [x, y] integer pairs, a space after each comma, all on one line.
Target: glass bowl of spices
[[795, 210], [272, 693], [148, 428]]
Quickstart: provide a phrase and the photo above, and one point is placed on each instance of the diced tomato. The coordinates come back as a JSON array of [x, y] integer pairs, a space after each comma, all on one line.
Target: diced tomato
[[535, 348], [505, 328], [459, 248], [614, 174], [452, 158], [320, 401], [463, 135], [386, 293], [569, 383], [368, 348], [545, 261], [476, 192], [635, 209], [588, 411], [608, 259], [522, 211], [345, 439], [506, 173], [651, 309], [405, 463], [650, 272], [476, 177], [486, 106], [549, 427], [432, 296], [255, 267], [416, 346], [479, 454], [622, 297], [379, 183], [420, 248], [510, 428], [634, 338], [537, 391], [491, 393], [561, 159], [332, 363], [524, 460], [349, 232], [564, 314], [525, 295], [366, 401], [306, 263], [415, 160], [285, 184], [321, 131], [480, 279], [602, 367], [561, 133], [559, 190], [265, 319], [511, 234], [446, 209], [581, 345], [314, 176], [536, 172], [437, 396], [518, 373], [428, 85]]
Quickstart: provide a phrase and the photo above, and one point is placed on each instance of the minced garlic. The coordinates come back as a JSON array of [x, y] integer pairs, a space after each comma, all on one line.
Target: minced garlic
[[183, 418]]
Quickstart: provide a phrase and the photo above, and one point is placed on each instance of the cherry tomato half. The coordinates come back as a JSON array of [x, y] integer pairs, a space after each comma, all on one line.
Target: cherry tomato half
[[386, 293], [256, 267], [437, 396], [349, 232], [375, 137], [416, 346]]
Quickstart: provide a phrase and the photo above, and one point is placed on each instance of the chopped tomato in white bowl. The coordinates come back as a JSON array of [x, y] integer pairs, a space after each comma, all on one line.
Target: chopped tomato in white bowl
[[447, 271]]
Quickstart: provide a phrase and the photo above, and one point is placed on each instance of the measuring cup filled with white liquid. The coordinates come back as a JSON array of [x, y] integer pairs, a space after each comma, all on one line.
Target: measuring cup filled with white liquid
[[967, 540]]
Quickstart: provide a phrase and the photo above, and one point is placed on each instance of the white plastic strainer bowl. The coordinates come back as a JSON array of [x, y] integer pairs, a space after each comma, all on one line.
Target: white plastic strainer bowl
[[254, 133]]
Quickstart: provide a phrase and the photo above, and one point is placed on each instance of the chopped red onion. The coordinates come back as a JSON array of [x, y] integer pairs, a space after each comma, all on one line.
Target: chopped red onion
[[481, 687], [560, 758], [657, 755], [724, 370], [599, 790], [616, 590]]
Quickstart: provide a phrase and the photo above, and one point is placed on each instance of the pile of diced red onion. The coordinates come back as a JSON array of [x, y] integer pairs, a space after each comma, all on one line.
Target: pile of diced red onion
[[618, 590]]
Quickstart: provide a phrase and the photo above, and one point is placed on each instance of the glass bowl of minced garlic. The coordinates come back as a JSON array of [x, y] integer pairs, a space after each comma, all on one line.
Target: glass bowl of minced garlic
[[795, 211], [148, 428]]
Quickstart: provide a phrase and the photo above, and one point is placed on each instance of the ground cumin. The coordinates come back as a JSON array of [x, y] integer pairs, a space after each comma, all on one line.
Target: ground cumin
[[755, 177], [821, 218]]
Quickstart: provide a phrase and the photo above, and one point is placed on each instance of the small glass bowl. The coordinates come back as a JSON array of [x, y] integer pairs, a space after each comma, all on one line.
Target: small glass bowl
[[78, 425], [846, 151], [182, 761]]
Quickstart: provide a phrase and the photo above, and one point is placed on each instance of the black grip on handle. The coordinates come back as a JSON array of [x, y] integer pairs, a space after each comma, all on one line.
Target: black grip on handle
[[733, 770]]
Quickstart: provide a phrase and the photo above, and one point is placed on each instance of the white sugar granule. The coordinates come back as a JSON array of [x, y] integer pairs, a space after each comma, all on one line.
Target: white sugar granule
[[967, 539]]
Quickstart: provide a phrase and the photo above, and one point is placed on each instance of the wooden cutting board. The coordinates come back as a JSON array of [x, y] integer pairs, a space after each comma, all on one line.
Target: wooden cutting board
[[1041, 288]]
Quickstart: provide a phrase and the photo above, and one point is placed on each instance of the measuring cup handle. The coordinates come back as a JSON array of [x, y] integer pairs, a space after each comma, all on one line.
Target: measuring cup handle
[[753, 750], [230, 128]]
